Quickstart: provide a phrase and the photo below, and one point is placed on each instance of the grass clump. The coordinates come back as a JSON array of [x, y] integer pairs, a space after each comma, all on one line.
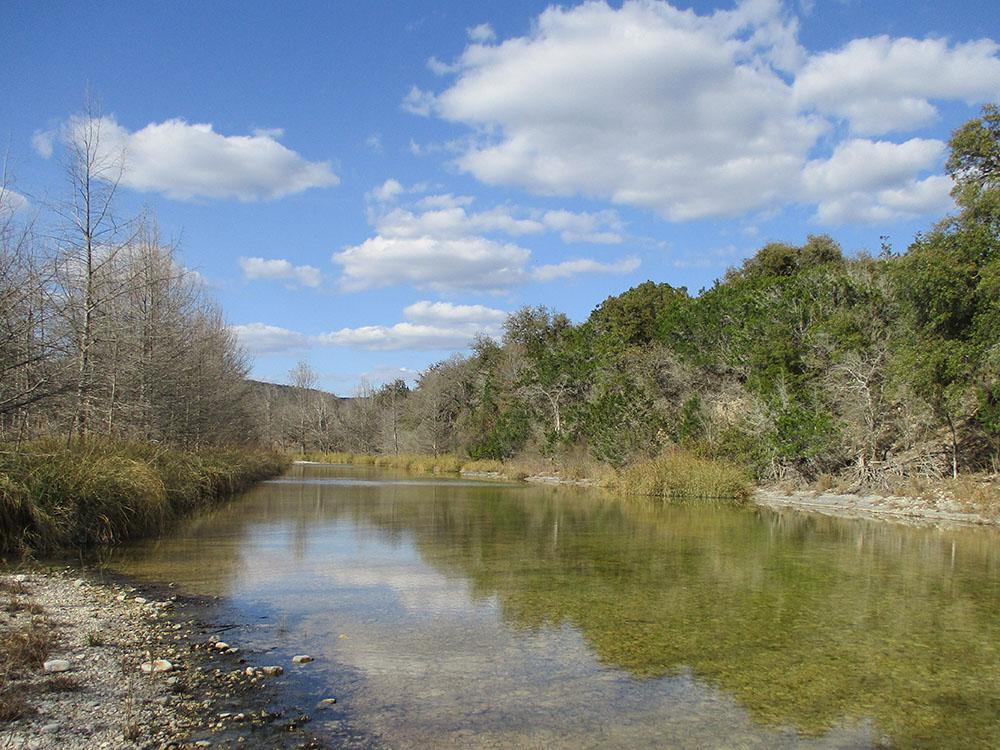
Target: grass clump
[[680, 474], [54, 496], [23, 649]]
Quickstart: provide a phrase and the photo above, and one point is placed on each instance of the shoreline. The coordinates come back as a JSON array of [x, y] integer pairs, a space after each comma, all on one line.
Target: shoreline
[[893, 508], [105, 630]]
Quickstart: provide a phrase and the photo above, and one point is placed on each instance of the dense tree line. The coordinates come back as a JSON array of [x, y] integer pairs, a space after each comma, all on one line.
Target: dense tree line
[[799, 363], [102, 330]]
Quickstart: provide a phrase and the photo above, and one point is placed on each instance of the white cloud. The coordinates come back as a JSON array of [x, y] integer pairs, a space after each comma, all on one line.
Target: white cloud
[[645, 105], [603, 228], [260, 338], [881, 84], [453, 222], [696, 116], [279, 268], [418, 102], [42, 142], [583, 265], [11, 201], [447, 216], [374, 143], [387, 191], [427, 326], [482, 33], [873, 181], [425, 311], [438, 242], [413, 336], [431, 263], [186, 161]]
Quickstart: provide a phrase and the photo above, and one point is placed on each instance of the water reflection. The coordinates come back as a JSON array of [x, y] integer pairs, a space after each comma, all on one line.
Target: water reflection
[[472, 614]]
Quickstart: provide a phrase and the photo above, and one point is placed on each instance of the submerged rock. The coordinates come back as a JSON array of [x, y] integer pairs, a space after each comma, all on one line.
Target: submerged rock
[[271, 671], [301, 659]]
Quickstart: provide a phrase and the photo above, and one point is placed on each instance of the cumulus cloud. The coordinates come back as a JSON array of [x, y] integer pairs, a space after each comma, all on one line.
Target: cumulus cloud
[[873, 181], [449, 216], [696, 116], [645, 105], [439, 242], [185, 161], [280, 269], [260, 338], [427, 326], [881, 84], [432, 263], [583, 265], [451, 314], [482, 33]]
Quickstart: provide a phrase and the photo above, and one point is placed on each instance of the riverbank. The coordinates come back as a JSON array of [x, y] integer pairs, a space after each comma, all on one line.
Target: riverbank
[[86, 663], [56, 497], [943, 509], [971, 499], [673, 474]]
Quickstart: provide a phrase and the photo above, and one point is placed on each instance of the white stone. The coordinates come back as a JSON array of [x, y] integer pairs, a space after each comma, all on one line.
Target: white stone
[[157, 665], [56, 665], [301, 659], [221, 645]]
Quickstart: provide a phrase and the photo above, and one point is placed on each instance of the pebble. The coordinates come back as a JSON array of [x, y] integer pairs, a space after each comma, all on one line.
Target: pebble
[[221, 645], [140, 600], [271, 671], [157, 665], [56, 665], [50, 728], [326, 703], [301, 659]]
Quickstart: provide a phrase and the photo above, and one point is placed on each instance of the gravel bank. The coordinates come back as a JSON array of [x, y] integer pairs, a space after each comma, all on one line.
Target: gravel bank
[[905, 509], [206, 695]]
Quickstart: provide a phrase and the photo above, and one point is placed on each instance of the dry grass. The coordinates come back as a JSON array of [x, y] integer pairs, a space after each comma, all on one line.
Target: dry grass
[[680, 474], [13, 704], [100, 492], [24, 648]]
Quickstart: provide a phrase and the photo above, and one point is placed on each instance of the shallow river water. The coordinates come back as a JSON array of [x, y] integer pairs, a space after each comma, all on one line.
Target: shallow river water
[[449, 613]]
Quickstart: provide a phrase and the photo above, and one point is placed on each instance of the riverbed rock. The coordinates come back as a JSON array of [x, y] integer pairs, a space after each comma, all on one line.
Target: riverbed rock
[[302, 659], [326, 703], [56, 665], [157, 665], [272, 671], [221, 646]]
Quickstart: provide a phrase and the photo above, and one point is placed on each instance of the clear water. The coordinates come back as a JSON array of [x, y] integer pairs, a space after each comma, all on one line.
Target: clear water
[[448, 613]]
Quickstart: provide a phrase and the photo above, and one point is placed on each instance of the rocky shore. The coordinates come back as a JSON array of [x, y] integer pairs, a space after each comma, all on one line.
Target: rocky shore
[[89, 663], [913, 510]]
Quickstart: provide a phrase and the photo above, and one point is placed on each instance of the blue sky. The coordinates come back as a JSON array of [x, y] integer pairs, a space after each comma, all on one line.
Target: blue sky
[[368, 185]]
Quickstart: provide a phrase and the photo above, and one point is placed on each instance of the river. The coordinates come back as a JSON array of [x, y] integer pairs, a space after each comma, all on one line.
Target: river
[[449, 613]]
